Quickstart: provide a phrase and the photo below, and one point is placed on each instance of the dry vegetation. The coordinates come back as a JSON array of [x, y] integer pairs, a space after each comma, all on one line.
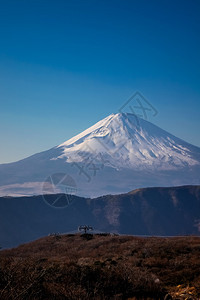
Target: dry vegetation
[[102, 267]]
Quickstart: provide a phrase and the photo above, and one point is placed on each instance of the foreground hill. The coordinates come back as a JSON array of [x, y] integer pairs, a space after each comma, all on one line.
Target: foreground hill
[[101, 267], [150, 211]]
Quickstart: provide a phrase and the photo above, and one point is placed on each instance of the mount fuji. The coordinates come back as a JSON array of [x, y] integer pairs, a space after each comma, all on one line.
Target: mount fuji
[[119, 153]]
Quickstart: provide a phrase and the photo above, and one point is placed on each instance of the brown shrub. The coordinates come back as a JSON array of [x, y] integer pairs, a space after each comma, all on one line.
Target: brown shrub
[[101, 267]]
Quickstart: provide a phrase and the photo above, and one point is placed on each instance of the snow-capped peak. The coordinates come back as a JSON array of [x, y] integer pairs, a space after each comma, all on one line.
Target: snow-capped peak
[[125, 140], [119, 153]]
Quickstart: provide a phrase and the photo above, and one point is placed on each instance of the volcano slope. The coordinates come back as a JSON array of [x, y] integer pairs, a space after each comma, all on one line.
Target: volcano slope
[[115, 155]]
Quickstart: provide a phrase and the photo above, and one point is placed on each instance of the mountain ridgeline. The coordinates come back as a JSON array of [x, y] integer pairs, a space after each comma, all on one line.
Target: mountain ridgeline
[[149, 211]]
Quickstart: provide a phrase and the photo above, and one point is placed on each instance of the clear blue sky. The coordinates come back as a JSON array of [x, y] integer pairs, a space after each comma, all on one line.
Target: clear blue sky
[[64, 65]]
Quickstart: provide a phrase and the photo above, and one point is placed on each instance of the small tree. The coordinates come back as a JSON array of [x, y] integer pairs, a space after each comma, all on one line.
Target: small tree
[[85, 228]]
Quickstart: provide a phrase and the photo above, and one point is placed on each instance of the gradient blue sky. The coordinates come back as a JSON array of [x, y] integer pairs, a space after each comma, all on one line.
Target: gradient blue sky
[[64, 65]]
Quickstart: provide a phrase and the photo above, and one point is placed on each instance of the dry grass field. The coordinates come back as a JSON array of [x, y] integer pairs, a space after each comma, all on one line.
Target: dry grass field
[[102, 267]]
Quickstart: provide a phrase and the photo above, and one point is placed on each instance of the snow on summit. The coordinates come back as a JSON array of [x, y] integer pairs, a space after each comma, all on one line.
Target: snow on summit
[[124, 140], [117, 154]]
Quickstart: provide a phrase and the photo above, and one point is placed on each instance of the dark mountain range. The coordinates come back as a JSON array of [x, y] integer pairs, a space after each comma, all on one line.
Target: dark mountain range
[[148, 211]]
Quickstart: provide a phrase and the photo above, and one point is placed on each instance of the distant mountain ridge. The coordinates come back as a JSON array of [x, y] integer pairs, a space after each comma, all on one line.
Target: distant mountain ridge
[[150, 211], [117, 154]]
